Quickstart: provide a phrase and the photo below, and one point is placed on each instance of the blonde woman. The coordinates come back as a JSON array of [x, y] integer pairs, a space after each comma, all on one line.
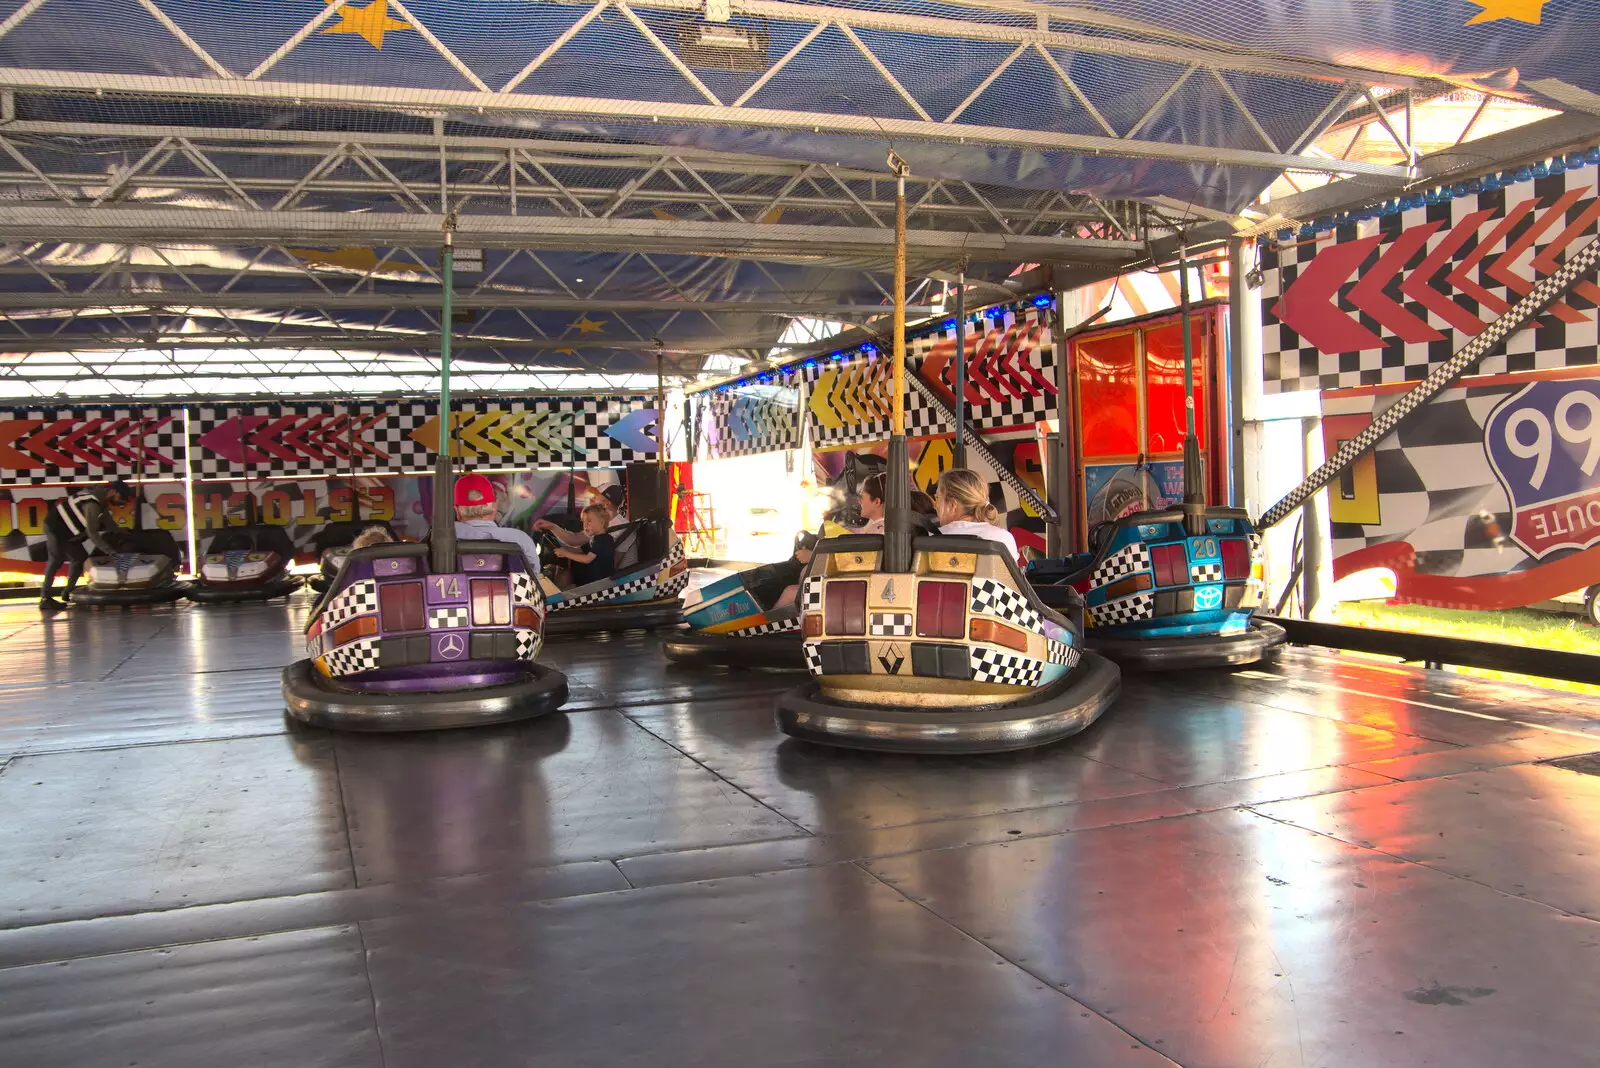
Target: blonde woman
[[962, 503]]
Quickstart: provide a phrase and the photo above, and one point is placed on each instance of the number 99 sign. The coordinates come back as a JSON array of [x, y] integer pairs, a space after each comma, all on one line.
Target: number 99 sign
[[1543, 444]]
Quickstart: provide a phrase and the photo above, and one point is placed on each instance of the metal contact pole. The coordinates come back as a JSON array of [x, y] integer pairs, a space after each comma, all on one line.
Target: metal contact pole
[[1194, 493], [442, 539], [661, 407], [961, 367], [897, 503]]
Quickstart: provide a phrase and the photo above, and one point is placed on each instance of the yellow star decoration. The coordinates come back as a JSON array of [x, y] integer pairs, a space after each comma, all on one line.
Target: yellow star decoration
[[371, 22], [586, 325], [1529, 11]]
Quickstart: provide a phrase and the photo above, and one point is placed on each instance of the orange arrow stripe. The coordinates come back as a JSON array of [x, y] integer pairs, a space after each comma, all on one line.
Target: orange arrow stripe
[[1502, 271], [1368, 294], [1546, 262], [1461, 277], [1419, 285], [10, 431], [38, 443]]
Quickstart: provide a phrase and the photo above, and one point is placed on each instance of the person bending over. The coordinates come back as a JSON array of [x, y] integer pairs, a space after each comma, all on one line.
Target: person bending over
[[596, 559], [475, 515], [962, 501], [74, 520]]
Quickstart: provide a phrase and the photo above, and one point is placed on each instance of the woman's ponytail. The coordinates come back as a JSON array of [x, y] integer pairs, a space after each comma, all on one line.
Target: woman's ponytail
[[968, 490]]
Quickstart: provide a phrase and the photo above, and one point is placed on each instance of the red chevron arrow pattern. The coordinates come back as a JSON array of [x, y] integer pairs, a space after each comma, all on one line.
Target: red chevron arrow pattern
[[73, 443], [1001, 365], [1314, 308], [316, 438]]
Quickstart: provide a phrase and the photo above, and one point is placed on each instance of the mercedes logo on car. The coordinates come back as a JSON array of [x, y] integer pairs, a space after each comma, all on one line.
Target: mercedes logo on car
[[452, 646]]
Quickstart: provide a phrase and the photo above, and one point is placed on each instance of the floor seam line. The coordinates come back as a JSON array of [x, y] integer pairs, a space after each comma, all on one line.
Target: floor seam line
[[1046, 983]]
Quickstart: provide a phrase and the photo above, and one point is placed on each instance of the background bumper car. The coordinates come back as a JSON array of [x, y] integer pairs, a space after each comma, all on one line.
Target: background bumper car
[[332, 545], [246, 564], [143, 570], [652, 572], [958, 655], [397, 645], [730, 624], [1159, 598]]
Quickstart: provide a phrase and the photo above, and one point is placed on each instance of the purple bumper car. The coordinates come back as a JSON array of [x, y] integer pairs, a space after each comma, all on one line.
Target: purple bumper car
[[397, 645]]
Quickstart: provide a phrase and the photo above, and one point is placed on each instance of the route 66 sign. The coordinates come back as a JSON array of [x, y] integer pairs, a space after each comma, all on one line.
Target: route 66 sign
[[1543, 444]]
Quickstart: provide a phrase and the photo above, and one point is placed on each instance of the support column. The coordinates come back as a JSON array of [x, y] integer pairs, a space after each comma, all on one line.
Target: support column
[[442, 538], [897, 503]]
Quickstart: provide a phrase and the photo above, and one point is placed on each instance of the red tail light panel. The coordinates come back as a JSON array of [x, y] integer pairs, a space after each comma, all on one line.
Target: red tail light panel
[[941, 609], [1171, 564], [1235, 559]]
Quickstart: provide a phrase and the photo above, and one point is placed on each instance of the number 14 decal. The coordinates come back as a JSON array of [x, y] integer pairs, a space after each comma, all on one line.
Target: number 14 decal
[[447, 585]]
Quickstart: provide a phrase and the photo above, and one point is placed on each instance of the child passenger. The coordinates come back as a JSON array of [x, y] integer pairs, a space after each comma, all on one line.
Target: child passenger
[[594, 559]]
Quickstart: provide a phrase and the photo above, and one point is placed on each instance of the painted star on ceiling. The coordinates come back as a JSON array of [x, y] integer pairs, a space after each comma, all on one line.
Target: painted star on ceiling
[[1529, 11], [371, 22], [586, 325]]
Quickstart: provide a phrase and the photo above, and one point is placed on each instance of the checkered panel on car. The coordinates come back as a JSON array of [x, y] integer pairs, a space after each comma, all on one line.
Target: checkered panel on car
[[1200, 574], [891, 624], [610, 593], [782, 626], [1126, 610], [1062, 653], [1128, 560], [1008, 669], [672, 587], [527, 643], [991, 597], [811, 595], [525, 589], [455, 616], [813, 651], [353, 658], [356, 599]]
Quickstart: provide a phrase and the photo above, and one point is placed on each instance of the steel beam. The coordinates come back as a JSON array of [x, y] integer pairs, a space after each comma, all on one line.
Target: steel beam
[[177, 303], [123, 225], [477, 102]]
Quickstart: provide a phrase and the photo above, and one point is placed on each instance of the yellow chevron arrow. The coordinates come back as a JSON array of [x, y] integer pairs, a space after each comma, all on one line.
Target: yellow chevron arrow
[[503, 433], [821, 402], [427, 435], [546, 431], [470, 435]]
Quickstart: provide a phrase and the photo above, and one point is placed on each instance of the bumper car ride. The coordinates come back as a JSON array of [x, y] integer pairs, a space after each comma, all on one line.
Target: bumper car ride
[[395, 647], [728, 627], [238, 576], [642, 597], [956, 656], [129, 579], [1158, 598]]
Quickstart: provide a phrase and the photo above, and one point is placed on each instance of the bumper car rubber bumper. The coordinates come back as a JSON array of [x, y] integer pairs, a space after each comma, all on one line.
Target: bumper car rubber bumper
[[121, 596], [319, 583], [281, 586], [1047, 716], [630, 615], [699, 649], [311, 698], [1201, 651]]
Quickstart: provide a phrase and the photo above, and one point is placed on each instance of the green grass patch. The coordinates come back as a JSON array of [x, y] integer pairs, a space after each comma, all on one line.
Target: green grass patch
[[1521, 627]]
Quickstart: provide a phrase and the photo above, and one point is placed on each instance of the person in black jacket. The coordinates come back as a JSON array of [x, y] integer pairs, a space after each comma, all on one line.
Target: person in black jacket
[[75, 520]]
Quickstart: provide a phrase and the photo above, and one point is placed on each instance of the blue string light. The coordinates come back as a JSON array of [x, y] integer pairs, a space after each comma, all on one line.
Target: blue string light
[[1042, 300]]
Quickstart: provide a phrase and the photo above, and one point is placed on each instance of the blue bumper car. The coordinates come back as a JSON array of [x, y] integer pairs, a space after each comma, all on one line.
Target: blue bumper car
[[652, 571], [1158, 597]]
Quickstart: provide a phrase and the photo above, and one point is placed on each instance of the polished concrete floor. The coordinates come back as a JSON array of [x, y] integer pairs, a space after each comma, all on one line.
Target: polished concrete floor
[[1324, 863]]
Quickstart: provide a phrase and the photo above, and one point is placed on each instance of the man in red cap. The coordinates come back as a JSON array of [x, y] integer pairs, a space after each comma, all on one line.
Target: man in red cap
[[475, 515]]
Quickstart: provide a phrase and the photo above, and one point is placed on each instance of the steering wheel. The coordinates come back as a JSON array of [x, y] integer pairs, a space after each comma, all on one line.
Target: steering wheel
[[548, 560]]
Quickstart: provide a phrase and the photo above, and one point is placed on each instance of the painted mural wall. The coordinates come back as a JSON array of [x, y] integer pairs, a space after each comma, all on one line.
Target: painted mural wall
[[1482, 498], [304, 507]]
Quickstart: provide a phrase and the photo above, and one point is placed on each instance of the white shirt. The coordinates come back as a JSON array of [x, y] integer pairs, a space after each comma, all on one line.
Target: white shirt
[[485, 530], [975, 529]]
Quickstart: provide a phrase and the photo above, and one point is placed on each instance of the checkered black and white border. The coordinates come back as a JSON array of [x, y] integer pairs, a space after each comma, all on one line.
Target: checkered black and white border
[[991, 597], [781, 626], [811, 594], [673, 586], [1062, 653], [453, 616], [1200, 574], [813, 653], [353, 658], [162, 441], [1293, 363], [633, 585], [1128, 560], [528, 642], [891, 624], [1008, 669], [1125, 610], [525, 589], [356, 599]]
